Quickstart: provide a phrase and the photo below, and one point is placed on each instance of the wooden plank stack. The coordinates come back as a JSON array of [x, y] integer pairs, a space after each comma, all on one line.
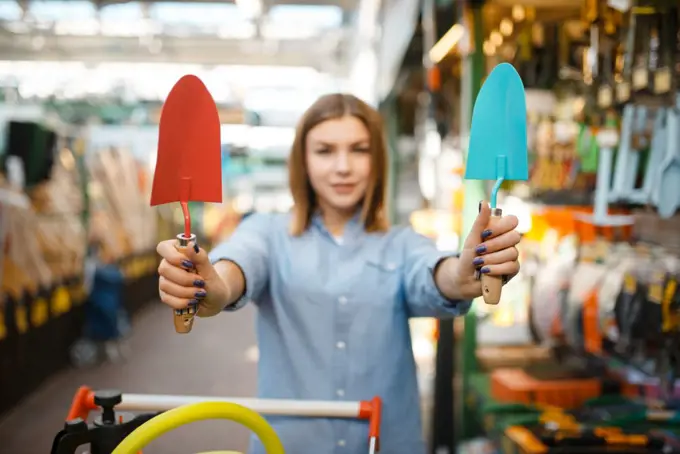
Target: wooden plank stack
[[42, 231], [22, 263], [123, 223], [44, 236], [59, 205]]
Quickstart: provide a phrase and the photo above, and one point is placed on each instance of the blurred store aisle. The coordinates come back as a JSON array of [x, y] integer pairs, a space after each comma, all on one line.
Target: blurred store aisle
[[218, 358]]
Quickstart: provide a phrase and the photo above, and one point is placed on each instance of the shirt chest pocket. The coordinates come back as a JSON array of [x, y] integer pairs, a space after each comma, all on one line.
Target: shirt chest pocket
[[381, 281]]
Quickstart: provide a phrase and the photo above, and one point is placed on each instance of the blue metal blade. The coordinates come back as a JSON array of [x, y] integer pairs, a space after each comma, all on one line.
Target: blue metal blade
[[498, 135]]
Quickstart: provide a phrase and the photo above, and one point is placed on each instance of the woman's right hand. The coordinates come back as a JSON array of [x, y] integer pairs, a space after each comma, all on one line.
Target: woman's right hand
[[188, 277]]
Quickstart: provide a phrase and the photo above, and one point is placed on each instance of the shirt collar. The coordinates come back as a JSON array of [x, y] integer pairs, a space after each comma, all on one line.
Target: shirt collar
[[354, 225]]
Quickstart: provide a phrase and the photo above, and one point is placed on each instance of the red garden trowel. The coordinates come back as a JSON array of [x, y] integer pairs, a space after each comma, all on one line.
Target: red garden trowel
[[189, 162], [498, 145]]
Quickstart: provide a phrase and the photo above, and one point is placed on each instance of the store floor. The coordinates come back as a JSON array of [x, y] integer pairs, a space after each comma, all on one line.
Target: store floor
[[217, 358]]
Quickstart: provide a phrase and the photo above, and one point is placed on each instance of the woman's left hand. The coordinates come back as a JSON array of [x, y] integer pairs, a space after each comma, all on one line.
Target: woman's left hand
[[491, 252]]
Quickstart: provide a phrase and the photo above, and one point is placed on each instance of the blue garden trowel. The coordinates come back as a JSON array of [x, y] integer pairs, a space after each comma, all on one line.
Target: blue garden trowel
[[498, 145]]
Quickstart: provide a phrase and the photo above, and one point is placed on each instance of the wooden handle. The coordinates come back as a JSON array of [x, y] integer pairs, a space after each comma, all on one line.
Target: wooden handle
[[492, 285], [184, 318]]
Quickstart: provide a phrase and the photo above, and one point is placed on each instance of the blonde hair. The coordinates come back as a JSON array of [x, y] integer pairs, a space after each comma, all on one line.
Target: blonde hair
[[330, 107]]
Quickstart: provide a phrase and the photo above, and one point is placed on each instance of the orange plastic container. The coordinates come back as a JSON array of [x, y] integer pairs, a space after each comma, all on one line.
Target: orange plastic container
[[514, 385]]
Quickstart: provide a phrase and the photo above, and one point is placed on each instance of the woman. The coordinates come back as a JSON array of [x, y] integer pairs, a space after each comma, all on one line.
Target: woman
[[335, 285]]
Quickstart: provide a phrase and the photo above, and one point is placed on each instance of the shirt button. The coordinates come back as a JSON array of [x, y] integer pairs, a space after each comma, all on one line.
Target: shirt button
[[340, 392], [342, 300], [391, 266], [340, 345], [342, 442]]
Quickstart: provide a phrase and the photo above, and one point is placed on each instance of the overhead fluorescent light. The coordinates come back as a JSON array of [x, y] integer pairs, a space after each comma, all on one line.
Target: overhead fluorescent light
[[10, 11], [288, 31], [251, 9], [78, 27], [446, 43], [314, 16], [268, 88]]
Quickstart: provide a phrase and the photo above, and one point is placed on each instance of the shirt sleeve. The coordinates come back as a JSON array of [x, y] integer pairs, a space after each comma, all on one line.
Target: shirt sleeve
[[248, 248], [423, 297]]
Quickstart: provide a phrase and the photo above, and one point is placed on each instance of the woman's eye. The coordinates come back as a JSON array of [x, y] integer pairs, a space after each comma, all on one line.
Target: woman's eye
[[323, 150], [361, 149]]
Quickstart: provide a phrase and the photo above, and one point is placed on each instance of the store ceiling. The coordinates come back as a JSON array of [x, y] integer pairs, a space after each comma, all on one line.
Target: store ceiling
[[346, 4], [269, 55], [546, 10], [548, 4], [314, 33]]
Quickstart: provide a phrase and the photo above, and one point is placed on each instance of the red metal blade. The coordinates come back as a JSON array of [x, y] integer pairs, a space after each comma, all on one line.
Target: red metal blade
[[189, 162]]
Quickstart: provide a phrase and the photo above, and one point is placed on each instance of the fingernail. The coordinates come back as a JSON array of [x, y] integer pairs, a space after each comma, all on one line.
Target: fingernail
[[485, 270], [199, 283], [196, 249], [193, 302], [200, 294], [478, 261], [479, 207], [187, 264], [486, 234], [480, 249]]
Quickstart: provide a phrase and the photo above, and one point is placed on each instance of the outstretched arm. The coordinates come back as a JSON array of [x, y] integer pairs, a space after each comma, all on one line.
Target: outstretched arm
[[422, 265], [243, 260]]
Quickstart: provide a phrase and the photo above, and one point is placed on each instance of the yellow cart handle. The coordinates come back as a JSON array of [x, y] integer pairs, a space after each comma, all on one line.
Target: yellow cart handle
[[186, 414]]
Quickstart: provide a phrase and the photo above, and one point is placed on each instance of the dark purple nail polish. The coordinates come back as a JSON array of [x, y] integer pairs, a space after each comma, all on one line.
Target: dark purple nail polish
[[193, 302], [478, 261], [187, 264], [199, 283], [485, 270], [200, 294], [486, 234], [480, 249], [196, 249]]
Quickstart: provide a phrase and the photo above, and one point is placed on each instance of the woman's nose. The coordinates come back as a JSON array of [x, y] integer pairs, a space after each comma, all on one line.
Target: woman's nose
[[342, 164]]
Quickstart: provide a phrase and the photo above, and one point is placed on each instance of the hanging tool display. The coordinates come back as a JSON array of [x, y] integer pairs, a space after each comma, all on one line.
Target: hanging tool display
[[668, 361], [626, 146], [651, 133], [555, 166], [188, 166], [648, 191], [606, 300], [633, 143], [524, 59], [501, 156], [667, 193], [645, 50], [119, 432], [606, 81], [615, 300]]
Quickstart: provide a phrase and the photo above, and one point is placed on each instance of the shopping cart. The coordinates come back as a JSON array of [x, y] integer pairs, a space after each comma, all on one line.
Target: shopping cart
[[119, 432]]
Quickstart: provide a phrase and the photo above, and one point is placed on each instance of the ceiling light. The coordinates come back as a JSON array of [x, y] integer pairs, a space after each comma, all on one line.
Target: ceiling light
[[446, 43], [250, 8], [506, 27], [496, 38], [489, 48], [518, 13]]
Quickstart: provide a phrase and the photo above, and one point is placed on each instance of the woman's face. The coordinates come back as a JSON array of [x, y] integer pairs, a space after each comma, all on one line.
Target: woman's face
[[339, 162]]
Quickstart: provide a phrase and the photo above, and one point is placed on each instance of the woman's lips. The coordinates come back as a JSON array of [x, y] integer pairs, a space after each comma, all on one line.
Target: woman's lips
[[343, 188]]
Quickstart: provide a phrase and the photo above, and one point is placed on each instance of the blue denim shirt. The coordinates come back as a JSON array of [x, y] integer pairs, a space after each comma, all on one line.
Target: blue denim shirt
[[332, 324]]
